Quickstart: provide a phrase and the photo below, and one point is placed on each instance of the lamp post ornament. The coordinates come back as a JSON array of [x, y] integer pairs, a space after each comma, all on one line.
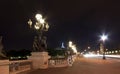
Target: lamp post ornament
[[40, 26]]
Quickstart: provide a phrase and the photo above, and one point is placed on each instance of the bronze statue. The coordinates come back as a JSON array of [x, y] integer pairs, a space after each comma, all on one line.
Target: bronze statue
[[2, 56], [39, 44], [43, 42]]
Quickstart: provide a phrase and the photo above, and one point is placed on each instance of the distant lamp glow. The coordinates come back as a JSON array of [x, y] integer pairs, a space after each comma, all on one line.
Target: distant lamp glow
[[70, 43], [116, 51], [104, 37], [38, 17], [74, 48], [112, 51], [88, 47], [109, 51]]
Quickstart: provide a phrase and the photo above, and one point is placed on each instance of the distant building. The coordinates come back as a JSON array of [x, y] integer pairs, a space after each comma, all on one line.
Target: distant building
[[62, 46]]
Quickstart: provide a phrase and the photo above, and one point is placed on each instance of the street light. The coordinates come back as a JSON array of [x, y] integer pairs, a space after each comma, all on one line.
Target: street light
[[40, 26], [72, 46], [88, 47], [103, 38], [38, 17], [70, 43], [71, 52]]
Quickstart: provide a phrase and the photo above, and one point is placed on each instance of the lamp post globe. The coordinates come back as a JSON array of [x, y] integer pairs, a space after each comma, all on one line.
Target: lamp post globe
[[38, 17], [104, 37]]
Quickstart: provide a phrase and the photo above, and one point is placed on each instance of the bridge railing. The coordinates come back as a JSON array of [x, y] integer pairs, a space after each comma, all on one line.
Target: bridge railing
[[58, 62], [19, 66]]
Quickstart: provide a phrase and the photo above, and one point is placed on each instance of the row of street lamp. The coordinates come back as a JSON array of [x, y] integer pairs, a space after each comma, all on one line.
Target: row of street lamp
[[41, 26]]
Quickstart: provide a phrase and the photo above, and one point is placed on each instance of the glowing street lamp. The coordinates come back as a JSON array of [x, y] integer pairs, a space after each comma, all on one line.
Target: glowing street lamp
[[88, 47], [38, 17], [40, 24], [103, 38], [70, 43], [72, 46]]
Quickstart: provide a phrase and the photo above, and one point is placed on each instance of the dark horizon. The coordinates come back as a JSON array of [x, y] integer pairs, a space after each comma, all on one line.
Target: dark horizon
[[79, 21]]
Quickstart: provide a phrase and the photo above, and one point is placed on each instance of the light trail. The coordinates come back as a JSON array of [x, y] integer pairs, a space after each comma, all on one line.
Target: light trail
[[99, 55]]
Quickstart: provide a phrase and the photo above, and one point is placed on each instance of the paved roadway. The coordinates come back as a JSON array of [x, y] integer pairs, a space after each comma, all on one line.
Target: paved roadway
[[85, 66]]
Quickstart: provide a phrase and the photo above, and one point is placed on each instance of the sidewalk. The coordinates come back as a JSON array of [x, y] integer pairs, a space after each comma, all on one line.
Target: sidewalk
[[84, 66]]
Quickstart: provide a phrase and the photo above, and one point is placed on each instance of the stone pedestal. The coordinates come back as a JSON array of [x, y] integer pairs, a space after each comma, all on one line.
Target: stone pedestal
[[39, 60], [4, 66]]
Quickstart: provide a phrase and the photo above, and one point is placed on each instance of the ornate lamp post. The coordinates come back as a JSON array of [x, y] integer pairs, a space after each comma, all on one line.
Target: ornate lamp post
[[103, 38], [71, 53], [72, 47], [40, 26]]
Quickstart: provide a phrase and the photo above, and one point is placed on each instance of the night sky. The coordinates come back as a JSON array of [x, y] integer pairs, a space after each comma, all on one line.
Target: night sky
[[81, 21]]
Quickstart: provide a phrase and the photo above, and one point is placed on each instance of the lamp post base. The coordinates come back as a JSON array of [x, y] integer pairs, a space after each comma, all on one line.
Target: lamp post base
[[39, 60], [104, 57]]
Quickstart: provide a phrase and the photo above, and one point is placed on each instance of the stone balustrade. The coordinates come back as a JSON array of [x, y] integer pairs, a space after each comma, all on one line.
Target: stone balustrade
[[19, 66], [37, 61], [58, 63], [4, 66]]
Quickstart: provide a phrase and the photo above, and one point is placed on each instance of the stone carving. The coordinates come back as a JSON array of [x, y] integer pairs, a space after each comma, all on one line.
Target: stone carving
[[2, 56]]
